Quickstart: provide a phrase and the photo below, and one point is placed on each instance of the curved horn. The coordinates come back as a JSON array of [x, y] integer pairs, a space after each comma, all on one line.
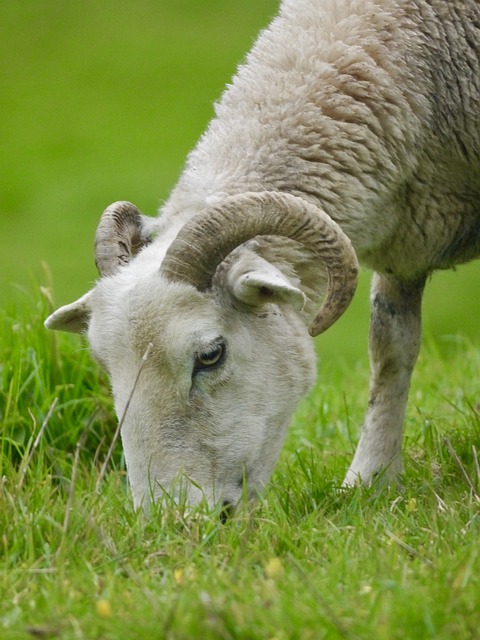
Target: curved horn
[[121, 232], [205, 241]]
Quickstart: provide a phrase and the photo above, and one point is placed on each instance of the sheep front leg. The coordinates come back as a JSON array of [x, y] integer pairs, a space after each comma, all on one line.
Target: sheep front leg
[[394, 342]]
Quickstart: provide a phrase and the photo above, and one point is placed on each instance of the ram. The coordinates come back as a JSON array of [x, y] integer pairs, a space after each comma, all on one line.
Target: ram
[[352, 129]]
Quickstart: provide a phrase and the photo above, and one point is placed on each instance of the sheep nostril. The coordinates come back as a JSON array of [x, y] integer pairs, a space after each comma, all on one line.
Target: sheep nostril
[[226, 511]]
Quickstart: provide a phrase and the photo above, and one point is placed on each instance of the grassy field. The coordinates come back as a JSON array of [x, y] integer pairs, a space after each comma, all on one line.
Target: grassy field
[[102, 102], [308, 561]]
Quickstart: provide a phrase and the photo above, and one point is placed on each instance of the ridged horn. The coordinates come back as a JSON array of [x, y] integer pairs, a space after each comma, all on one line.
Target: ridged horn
[[206, 240], [121, 232]]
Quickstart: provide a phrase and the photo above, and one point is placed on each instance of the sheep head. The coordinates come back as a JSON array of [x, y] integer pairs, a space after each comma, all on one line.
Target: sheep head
[[228, 349]]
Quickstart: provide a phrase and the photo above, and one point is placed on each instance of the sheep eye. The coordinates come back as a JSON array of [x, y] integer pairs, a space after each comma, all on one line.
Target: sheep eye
[[211, 358]]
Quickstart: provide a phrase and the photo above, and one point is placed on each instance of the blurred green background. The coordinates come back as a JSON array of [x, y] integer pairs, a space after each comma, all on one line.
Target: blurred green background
[[101, 101]]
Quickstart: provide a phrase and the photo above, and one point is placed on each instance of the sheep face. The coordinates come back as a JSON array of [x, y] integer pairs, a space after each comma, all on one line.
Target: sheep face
[[206, 344], [217, 388]]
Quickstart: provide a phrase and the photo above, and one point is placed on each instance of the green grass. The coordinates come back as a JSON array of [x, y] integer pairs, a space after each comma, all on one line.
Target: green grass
[[100, 102], [307, 561]]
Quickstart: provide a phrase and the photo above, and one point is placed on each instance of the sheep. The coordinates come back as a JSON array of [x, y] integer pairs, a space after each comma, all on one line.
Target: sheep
[[350, 131]]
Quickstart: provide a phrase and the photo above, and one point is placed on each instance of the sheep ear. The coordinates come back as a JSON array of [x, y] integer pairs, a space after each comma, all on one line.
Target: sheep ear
[[71, 317], [254, 281], [297, 266]]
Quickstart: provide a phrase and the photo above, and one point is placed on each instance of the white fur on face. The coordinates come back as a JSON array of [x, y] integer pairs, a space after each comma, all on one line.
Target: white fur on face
[[207, 430]]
